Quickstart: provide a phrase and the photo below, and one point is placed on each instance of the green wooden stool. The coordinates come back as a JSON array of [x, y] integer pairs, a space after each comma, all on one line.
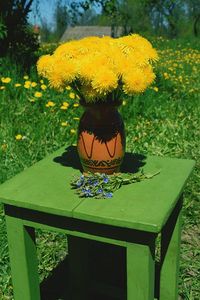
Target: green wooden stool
[[40, 197]]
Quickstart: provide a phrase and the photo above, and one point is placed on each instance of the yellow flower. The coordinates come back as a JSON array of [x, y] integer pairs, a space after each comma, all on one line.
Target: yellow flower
[[155, 88], [64, 124], [104, 81], [4, 147], [6, 80], [124, 102], [76, 118], [63, 107], [72, 131], [50, 104], [72, 95], [42, 81], [43, 87], [68, 88], [27, 84], [18, 137], [134, 82], [26, 77], [33, 84], [17, 84], [76, 104], [2, 87], [38, 94]]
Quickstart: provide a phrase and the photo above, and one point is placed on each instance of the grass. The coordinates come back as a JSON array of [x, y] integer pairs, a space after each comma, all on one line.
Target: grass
[[164, 121]]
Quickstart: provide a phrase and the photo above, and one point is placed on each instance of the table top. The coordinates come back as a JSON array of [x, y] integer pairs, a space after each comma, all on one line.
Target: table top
[[145, 205]]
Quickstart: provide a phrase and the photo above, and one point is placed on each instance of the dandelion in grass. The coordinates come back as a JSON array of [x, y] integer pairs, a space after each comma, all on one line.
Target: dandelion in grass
[[17, 84], [72, 96], [50, 104], [72, 131], [26, 77], [18, 137], [43, 87], [33, 84], [6, 79], [2, 87], [68, 88], [64, 124], [38, 94], [76, 105]]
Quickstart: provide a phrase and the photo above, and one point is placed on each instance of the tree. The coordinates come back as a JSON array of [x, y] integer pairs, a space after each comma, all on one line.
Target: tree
[[20, 42], [62, 19]]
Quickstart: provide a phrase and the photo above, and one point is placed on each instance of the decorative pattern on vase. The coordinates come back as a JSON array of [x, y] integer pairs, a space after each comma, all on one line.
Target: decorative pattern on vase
[[101, 140]]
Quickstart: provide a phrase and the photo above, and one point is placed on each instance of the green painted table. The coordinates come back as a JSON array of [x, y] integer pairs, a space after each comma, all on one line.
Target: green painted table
[[40, 197]]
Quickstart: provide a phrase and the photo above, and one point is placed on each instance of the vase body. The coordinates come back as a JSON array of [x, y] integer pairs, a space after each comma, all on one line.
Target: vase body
[[101, 139]]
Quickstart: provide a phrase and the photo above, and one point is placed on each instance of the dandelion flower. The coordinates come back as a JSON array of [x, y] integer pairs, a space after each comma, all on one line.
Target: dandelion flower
[[6, 80], [50, 104], [33, 84], [26, 77], [38, 94], [76, 104], [17, 84], [18, 137], [104, 81], [72, 95], [134, 82], [72, 131], [43, 87], [64, 124]]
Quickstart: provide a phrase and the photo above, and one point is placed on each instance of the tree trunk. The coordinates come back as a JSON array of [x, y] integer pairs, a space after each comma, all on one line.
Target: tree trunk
[[197, 19]]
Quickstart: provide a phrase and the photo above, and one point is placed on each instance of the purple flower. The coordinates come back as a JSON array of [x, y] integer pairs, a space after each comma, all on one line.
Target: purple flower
[[105, 180], [99, 191], [108, 195], [95, 183]]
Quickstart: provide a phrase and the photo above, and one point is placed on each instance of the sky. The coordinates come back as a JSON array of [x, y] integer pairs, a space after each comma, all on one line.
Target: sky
[[45, 11]]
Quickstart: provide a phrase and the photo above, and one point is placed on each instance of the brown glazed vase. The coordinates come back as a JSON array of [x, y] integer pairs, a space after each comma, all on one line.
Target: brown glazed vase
[[101, 139]]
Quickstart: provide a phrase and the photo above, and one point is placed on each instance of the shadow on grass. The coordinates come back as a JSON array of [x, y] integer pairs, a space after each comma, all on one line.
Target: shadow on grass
[[131, 163]]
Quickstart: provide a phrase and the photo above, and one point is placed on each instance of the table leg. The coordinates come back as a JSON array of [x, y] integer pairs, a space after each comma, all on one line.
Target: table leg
[[140, 272], [23, 260], [170, 250], [78, 268]]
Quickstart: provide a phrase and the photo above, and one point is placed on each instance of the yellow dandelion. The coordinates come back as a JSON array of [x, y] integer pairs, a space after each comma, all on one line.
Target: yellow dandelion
[[18, 137], [72, 131], [43, 87], [155, 88], [4, 147], [63, 107], [104, 81], [65, 104], [17, 84], [64, 124], [26, 77], [68, 88], [33, 84], [42, 81], [44, 65], [38, 94], [2, 87], [50, 104], [134, 82], [76, 105], [72, 95], [6, 80]]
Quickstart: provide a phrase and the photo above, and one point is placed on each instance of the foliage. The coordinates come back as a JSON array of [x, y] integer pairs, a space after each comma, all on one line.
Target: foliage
[[103, 186], [101, 69], [19, 42], [163, 121]]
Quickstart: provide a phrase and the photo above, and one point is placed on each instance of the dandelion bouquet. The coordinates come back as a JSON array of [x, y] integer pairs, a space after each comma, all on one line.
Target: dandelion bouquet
[[101, 69]]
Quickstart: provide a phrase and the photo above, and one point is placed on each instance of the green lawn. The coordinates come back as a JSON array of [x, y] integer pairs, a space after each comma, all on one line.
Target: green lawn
[[164, 121]]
